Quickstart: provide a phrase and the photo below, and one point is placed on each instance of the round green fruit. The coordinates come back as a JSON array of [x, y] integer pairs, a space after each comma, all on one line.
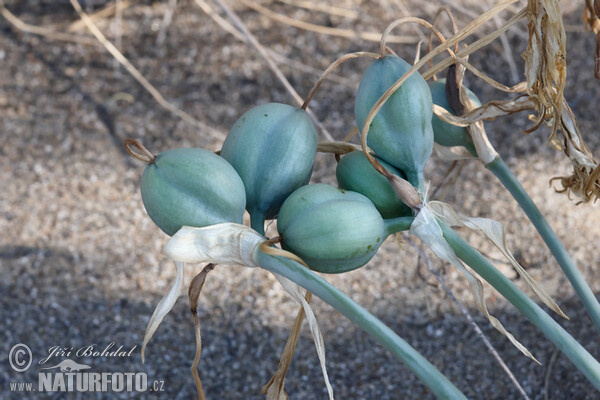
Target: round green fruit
[[332, 230], [354, 172], [272, 147], [191, 187], [401, 132]]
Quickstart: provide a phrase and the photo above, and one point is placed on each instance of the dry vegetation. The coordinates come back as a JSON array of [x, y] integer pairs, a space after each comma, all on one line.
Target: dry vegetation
[[81, 261]]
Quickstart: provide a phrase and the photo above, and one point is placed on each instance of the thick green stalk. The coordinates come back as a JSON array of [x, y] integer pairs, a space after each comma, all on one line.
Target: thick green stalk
[[395, 225], [579, 356], [510, 182], [434, 379]]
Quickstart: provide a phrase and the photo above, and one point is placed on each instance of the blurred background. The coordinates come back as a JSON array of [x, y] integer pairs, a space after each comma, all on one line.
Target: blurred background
[[81, 261]]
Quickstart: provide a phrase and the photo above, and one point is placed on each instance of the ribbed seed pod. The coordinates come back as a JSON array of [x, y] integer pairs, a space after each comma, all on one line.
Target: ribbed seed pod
[[444, 133], [401, 132], [354, 172], [273, 148], [191, 187], [331, 229]]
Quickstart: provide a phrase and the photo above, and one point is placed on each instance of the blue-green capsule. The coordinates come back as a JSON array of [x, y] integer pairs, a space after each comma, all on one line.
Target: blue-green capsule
[[401, 132], [191, 187], [273, 148]]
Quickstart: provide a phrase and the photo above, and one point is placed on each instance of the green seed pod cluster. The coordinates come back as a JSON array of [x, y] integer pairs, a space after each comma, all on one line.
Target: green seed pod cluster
[[401, 132], [355, 172], [191, 187], [444, 133], [331, 229], [273, 148]]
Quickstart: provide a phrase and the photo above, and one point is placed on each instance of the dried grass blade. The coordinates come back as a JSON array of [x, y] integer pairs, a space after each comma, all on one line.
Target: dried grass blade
[[426, 228], [39, 30], [274, 389], [215, 134], [163, 307], [295, 292]]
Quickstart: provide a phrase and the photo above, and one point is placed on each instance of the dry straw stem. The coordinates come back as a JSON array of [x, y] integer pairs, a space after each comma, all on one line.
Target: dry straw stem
[[227, 27], [215, 134], [346, 33], [436, 19], [38, 30], [489, 111], [324, 8], [256, 44], [331, 68], [109, 10], [478, 44]]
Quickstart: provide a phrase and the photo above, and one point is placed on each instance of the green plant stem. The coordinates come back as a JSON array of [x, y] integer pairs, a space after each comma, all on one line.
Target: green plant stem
[[257, 222], [510, 182], [431, 376], [579, 356], [395, 225]]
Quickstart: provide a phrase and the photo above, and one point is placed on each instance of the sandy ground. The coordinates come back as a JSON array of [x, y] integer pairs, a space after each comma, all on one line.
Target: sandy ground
[[80, 260]]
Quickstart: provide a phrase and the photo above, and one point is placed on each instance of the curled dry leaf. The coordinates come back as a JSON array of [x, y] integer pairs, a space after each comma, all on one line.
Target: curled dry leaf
[[494, 232], [546, 62], [488, 112], [545, 69], [426, 228]]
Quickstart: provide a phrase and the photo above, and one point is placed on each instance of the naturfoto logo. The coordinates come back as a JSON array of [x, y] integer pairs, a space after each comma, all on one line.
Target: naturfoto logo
[[60, 373]]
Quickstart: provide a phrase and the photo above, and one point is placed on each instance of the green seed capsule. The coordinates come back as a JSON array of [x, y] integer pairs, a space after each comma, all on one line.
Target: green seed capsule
[[273, 148], [191, 187], [354, 172], [401, 132], [444, 133], [332, 230]]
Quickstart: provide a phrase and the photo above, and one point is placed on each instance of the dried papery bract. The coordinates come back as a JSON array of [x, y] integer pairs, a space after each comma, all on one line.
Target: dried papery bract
[[585, 180], [546, 63], [545, 69]]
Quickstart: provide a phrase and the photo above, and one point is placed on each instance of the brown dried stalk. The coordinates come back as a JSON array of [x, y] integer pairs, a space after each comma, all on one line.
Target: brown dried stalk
[[194, 295]]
